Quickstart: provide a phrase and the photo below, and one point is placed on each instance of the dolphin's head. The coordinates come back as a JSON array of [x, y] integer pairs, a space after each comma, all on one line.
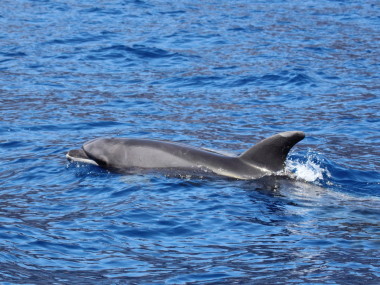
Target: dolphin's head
[[105, 151]]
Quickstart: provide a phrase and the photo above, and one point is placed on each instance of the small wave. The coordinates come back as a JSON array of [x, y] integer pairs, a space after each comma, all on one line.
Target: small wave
[[85, 38], [284, 78], [140, 51], [101, 11], [310, 169]]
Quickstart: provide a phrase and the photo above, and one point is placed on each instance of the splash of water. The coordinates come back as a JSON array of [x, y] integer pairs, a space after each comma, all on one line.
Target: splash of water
[[310, 168]]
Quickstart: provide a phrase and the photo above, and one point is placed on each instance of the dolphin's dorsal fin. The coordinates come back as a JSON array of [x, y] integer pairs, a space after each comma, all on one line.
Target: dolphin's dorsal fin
[[271, 153]]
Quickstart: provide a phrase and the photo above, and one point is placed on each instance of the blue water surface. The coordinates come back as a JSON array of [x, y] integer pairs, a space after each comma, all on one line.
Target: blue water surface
[[214, 74]]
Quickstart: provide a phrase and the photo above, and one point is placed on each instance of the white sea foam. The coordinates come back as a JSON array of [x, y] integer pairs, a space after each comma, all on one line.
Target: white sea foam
[[311, 170]]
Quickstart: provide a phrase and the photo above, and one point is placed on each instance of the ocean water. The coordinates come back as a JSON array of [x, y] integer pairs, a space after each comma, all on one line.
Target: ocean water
[[213, 74]]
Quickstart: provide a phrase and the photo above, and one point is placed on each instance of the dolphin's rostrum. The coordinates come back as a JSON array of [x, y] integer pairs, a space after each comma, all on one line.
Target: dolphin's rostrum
[[139, 155]]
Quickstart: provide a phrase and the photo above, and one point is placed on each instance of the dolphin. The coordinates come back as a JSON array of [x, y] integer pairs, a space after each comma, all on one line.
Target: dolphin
[[129, 155]]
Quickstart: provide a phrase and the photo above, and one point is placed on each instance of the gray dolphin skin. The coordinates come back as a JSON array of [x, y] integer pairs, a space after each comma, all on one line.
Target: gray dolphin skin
[[143, 155]]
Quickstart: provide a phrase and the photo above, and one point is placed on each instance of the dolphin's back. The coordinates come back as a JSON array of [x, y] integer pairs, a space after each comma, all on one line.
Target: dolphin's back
[[123, 154], [144, 153]]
